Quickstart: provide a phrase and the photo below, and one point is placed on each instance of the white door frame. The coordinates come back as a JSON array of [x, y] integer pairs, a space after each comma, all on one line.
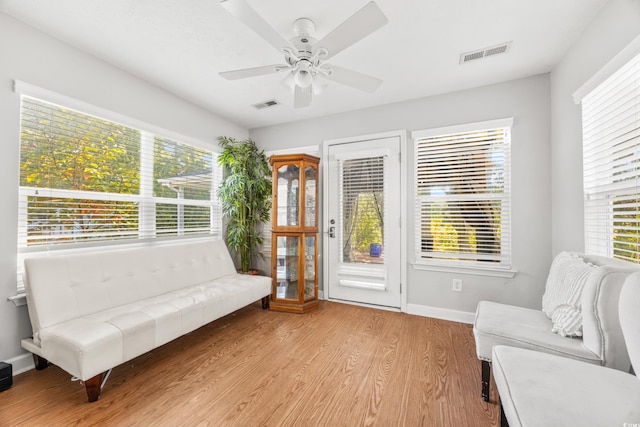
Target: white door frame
[[402, 134]]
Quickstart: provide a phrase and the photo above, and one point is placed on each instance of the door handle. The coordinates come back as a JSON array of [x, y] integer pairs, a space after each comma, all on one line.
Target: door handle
[[332, 232]]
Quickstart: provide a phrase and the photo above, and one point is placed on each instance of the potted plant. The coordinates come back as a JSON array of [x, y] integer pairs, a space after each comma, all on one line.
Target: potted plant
[[245, 197]]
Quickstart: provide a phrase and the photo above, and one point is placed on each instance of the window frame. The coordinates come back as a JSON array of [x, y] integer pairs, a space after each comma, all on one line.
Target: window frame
[[145, 237], [497, 269], [610, 107]]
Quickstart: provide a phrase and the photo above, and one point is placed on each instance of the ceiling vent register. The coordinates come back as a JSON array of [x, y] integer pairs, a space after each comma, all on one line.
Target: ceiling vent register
[[266, 104], [485, 53]]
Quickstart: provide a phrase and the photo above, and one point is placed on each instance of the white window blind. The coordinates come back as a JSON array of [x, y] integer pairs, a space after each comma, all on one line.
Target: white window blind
[[611, 154], [87, 181], [463, 195]]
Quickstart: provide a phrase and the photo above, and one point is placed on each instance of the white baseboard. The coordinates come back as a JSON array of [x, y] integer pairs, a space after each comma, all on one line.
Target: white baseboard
[[441, 313], [22, 363]]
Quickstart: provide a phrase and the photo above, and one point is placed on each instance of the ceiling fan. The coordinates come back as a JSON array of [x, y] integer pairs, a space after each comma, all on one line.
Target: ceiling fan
[[305, 56]]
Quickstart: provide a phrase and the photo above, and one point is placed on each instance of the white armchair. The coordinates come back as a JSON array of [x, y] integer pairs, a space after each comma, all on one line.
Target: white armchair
[[539, 389], [601, 342]]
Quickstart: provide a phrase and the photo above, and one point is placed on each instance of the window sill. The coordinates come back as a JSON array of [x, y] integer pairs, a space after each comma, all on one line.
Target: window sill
[[476, 271], [19, 300]]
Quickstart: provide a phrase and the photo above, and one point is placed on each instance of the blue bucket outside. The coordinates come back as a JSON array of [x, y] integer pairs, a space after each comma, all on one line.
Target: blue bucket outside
[[375, 250]]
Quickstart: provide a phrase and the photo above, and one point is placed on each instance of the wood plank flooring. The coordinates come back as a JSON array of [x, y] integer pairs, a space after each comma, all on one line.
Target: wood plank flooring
[[341, 365]]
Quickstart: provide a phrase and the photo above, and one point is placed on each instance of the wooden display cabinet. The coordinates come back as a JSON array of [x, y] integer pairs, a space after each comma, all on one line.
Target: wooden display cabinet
[[294, 252]]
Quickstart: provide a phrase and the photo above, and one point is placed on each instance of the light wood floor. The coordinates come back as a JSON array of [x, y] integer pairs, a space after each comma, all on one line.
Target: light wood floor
[[341, 365]]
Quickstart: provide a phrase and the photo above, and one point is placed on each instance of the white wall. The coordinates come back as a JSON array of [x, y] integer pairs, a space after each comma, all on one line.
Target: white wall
[[30, 56], [527, 101], [610, 31]]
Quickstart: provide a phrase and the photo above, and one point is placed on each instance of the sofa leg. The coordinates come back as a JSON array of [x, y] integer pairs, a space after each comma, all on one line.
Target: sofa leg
[[40, 362], [93, 386], [503, 418], [486, 379], [265, 302]]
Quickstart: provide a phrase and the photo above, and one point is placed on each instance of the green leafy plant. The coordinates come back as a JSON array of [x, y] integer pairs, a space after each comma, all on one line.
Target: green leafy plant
[[245, 196]]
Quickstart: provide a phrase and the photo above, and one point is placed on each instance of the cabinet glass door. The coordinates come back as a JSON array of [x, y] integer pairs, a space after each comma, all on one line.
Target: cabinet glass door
[[287, 196], [310, 267], [287, 267], [310, 193]]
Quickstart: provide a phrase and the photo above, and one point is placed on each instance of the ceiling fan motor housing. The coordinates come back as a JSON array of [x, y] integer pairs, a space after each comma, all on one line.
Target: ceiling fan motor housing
[[302, 41]]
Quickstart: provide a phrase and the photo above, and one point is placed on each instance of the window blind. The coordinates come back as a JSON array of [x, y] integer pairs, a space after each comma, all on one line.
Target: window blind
[[90, 181], [463, 196], [611, 156]]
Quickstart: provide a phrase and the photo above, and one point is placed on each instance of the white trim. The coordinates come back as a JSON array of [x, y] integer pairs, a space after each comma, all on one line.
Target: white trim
[[19, 299], [362, 285], [363, 270], [460, 269], [21, 363], [462, 128], [441, 313], [361, 304], [404, 157], [358, 138], [624, 56], [50, 96], [371, 153], [307, 149]]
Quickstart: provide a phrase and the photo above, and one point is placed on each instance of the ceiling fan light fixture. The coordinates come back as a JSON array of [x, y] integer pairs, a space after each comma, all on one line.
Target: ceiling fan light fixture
[[289, 81], [303, 76]]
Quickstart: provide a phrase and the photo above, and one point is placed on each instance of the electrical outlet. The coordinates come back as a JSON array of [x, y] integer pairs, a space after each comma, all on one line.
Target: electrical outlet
[[457, 285]]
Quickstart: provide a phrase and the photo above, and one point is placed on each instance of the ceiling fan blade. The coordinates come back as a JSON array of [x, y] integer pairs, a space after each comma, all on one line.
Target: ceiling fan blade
[[353, 78], [246, 14], [302, 97], [252, 72], [359, 25]]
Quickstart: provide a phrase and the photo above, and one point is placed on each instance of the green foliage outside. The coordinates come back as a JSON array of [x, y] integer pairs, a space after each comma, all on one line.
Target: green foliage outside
[[67, 150], [367, 223], [445, 235], [64, 149], [626, 235]]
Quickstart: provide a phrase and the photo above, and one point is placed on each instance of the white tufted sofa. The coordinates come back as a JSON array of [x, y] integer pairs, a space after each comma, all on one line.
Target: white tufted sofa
[[91, 312]]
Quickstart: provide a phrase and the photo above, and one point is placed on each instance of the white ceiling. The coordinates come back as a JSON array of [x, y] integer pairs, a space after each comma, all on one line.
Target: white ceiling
[[183, 45]]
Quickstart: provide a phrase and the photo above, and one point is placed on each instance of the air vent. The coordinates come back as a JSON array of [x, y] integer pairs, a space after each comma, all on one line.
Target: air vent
[[266, 104], [484, 53]]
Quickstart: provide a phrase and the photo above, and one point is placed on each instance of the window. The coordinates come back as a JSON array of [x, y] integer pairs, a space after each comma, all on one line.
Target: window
[[462, 195], [611, 155], [362, 209], [87, 181]]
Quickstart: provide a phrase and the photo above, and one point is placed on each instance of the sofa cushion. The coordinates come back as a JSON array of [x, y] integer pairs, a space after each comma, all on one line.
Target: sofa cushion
[[502, 324], [567, 277], [91, 344], [539, 389], [64, 287], [567, 321]]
